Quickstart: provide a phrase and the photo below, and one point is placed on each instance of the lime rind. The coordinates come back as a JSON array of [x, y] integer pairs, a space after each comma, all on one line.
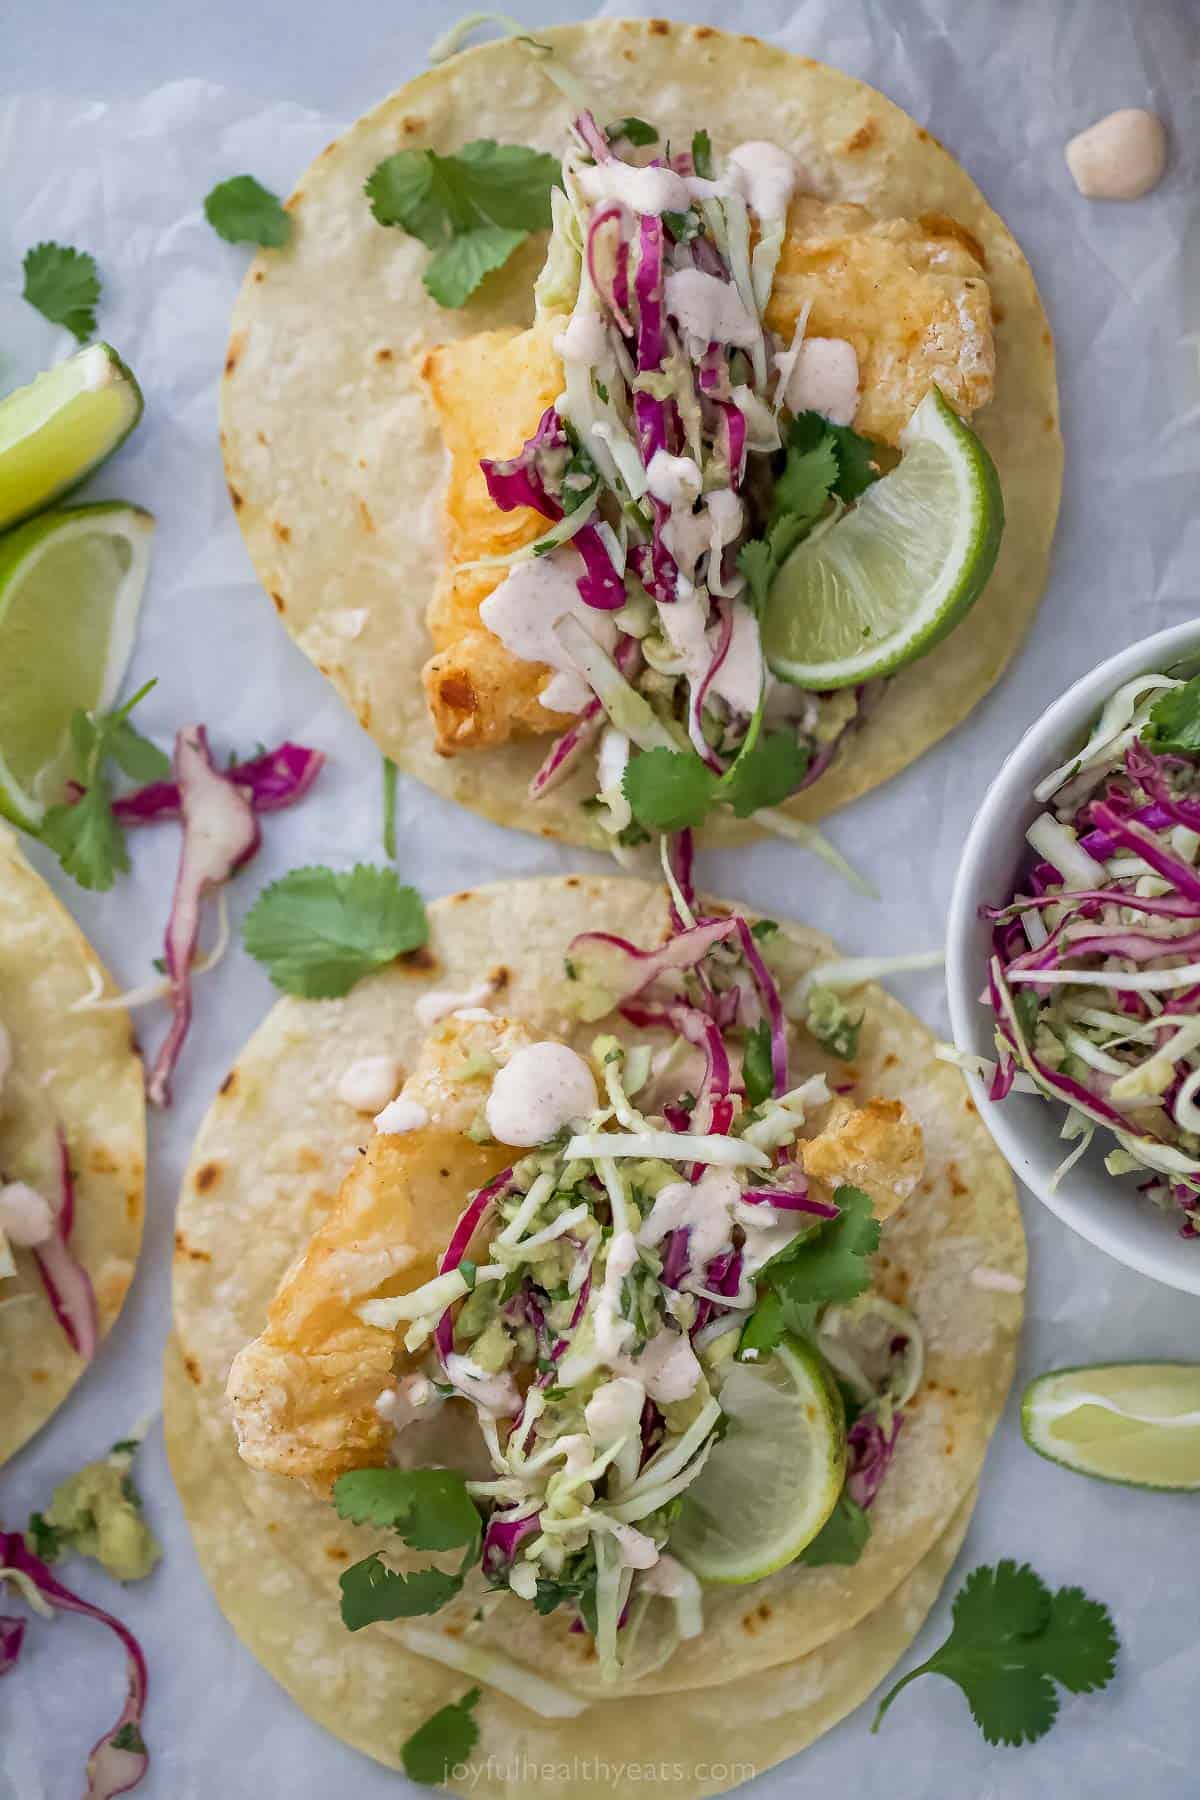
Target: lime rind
[[61, 427], [772, 1481], [902, 568], [1127, 1443]]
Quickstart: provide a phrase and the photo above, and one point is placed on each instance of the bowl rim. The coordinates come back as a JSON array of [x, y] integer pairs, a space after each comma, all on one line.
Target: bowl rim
[[1014, 780]]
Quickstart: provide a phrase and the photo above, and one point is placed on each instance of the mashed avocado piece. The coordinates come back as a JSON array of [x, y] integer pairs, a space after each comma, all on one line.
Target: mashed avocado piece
[[98, 1513], [832, 1023]]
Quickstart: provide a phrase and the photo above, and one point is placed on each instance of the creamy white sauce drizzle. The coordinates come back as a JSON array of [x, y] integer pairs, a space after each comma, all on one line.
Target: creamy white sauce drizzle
[[675, 480], [441, 1002], [401, 1115], [709, 310], [642, 190], [765, 175], [824, 378], [496, 1395], [370, 1083], [25, 1216], [525, 608], [583, 340], [541, 1089]]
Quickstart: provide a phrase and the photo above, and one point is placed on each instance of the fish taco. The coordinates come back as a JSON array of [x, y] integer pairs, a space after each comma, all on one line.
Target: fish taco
[[644, 473], [72, 1151], [649, 1341]]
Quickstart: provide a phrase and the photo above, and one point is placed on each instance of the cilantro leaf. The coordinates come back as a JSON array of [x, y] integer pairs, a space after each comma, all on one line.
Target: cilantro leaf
[[683, 226], [634, 131], [135, 755], [44, 1540], [830, 1264], [243, 211], [763, 929], [83, 834], [129, 1738], [772, 769], [64, 285], [1078, 1645], [472, 209], [668, 790], [86, 838], [446, 1739], [807, 481], [856, 457], [318, 932], [1011, 1640], [1174, 722], [372, 1593], [843, 1537], [764, 1328], [757, 1072], [757, 564], [702, 160], [430, 1508]]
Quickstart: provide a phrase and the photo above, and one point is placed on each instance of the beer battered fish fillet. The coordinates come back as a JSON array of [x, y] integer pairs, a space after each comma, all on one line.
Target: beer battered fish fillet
[[303, 1393], [878, 1147], [911, 298], [489, 393]]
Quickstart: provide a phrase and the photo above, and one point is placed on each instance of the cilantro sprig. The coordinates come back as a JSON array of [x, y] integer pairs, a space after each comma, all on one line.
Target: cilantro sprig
[[670, 790], [843, 1537], [83, 834], [1011, 1641], [472, 209], [64, 285], [243, 211], [318, 931], [821, 460], [430, 1509], [829, 1263], [1174, 722], [444, 1740]]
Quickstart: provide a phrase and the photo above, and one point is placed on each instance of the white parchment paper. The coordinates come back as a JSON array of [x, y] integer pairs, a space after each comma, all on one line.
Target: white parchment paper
[[100, 149]]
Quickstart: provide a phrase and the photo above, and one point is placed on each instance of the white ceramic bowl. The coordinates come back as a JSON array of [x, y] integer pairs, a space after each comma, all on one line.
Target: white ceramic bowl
[[1109, 1213]]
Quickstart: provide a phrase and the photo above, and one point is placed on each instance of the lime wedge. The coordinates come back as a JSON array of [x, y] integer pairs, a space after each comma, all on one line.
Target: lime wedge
[[774, 1478], [71, 584], [891, 577], [1137, 1423], [60, 427]]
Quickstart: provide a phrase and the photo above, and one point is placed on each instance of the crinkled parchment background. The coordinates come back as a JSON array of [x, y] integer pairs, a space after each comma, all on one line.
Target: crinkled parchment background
[[114, 123]]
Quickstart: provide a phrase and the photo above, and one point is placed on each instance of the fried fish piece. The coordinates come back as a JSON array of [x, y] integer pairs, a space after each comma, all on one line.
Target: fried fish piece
[[910, 297], [489, 393], [303, 1393], [878, 1147]]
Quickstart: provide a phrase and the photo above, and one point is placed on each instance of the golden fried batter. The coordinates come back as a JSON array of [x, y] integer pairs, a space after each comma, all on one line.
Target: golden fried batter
[[911, 298], [489, 393], [878, 1147], [303, 1393]]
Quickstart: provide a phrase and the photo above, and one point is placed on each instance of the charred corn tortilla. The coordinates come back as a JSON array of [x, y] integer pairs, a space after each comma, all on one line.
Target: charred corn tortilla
[[701, 1748], [266, 1170], [336, 463], [78, 1072]]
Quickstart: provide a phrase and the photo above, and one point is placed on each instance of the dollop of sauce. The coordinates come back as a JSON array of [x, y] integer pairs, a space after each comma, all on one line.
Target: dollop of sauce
[[525, 608], [765, 175], [645, 190], [495, 1394], [824, 379], [543, 1087], [583, 340], [440, 1002], [401, 1115], [370, 1083], [708, 309], [675, 480], [25, 1216], [1120, 157]]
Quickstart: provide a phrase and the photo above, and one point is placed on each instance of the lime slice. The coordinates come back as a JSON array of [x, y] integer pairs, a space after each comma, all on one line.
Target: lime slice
[[881, 586], [1137, 1423], [60, 427], [774, 1478], [71, 584]]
